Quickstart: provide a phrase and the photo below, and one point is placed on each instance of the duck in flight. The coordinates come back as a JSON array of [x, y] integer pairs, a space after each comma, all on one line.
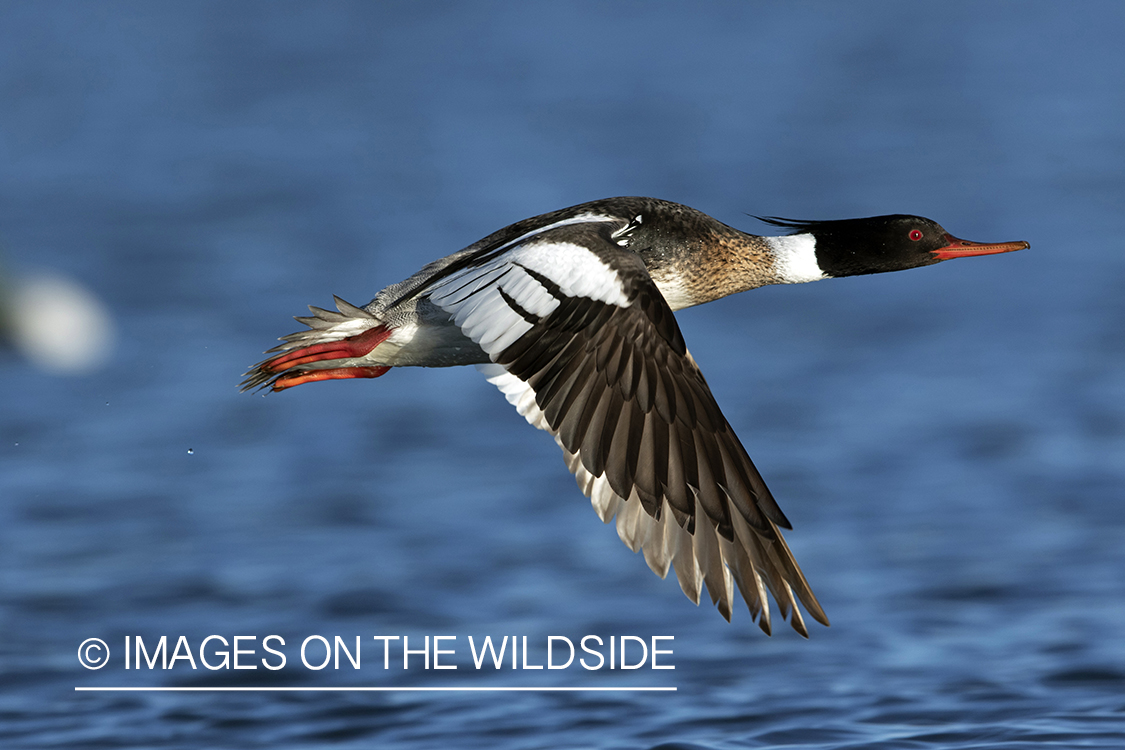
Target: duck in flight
[[571, 315]]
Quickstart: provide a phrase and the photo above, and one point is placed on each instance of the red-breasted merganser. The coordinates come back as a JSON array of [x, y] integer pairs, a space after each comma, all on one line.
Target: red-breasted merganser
[[570, 314]]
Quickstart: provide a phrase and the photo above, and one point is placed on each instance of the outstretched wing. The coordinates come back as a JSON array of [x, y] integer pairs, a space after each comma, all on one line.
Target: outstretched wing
[[586, 348]]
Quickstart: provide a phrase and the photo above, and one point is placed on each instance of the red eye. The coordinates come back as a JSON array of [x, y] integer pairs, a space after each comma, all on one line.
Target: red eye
[[915, 234]]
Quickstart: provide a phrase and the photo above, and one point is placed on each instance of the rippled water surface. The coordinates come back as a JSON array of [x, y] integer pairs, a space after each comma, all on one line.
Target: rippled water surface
[[949, 442]]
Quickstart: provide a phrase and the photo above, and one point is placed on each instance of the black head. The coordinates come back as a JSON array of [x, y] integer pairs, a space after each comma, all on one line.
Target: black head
[[850, 247]]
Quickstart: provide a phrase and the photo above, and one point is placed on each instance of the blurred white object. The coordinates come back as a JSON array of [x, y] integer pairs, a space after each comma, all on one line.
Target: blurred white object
[[57, 324]]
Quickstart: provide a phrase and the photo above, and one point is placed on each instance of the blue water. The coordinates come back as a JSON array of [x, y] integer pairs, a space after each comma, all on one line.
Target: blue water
[[949, 442]]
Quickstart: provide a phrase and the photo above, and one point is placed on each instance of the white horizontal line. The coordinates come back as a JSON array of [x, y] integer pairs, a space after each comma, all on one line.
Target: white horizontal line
[[375, 689]]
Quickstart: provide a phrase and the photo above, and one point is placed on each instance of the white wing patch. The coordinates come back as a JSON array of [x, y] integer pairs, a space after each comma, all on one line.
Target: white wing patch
[[577, 271], [473, 296]]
